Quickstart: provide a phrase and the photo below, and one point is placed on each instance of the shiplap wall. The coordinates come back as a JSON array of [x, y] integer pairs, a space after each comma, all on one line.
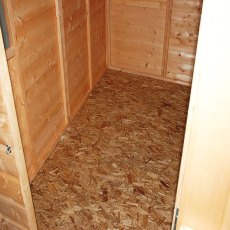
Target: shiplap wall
[[156, 38], [75, 30], [37, 83], [16, 210], [184, 30], [11, 202], [137, 30], [60, 53], [97, 38]]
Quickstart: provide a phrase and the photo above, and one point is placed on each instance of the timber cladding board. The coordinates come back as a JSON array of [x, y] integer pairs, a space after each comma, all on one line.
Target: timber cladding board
[[7, 162], [97, 38], [38, 55], [51, 69], [4, 130], [154, 37], [8, 224], [12, 209], [184, 30], [137, 30], [75, 30], [10, 187]]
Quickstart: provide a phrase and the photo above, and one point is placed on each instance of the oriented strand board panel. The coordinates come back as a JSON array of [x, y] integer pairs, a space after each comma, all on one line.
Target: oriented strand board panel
[[185, 24], [117, 164], [97, 38], [38, 78], [75, 30], [137, 30]]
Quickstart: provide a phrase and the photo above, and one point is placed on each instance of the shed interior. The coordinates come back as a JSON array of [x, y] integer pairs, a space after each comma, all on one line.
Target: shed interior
[[101, 89]]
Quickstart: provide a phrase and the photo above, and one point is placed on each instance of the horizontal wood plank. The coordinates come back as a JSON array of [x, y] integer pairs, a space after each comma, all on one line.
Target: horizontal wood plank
[[137, 30], [184, 31], [10, 186], [75, 32]]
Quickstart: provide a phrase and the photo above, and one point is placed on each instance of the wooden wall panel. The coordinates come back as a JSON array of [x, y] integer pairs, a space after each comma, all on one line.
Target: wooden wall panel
[[185, 23], [4, 130], [97, 38], [137, 30], [16, 209], [75, 32], [11, 203], [7, 162], [12, 210], [155, 38], [10, 186], [38, 82]]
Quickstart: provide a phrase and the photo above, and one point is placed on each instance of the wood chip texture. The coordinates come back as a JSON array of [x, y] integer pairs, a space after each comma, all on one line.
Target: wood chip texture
[[117, 164]]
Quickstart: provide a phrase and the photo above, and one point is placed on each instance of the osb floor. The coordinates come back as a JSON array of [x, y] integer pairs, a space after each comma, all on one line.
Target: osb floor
[[116, 166]]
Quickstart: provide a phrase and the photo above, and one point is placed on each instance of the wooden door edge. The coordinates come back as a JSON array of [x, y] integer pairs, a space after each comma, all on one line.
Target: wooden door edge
[[185, 158]]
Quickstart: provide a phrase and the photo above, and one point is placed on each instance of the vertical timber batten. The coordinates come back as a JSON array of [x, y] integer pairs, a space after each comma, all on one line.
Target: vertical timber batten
[[108, 38], [89, 44], [166, 39], [62, 54]]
